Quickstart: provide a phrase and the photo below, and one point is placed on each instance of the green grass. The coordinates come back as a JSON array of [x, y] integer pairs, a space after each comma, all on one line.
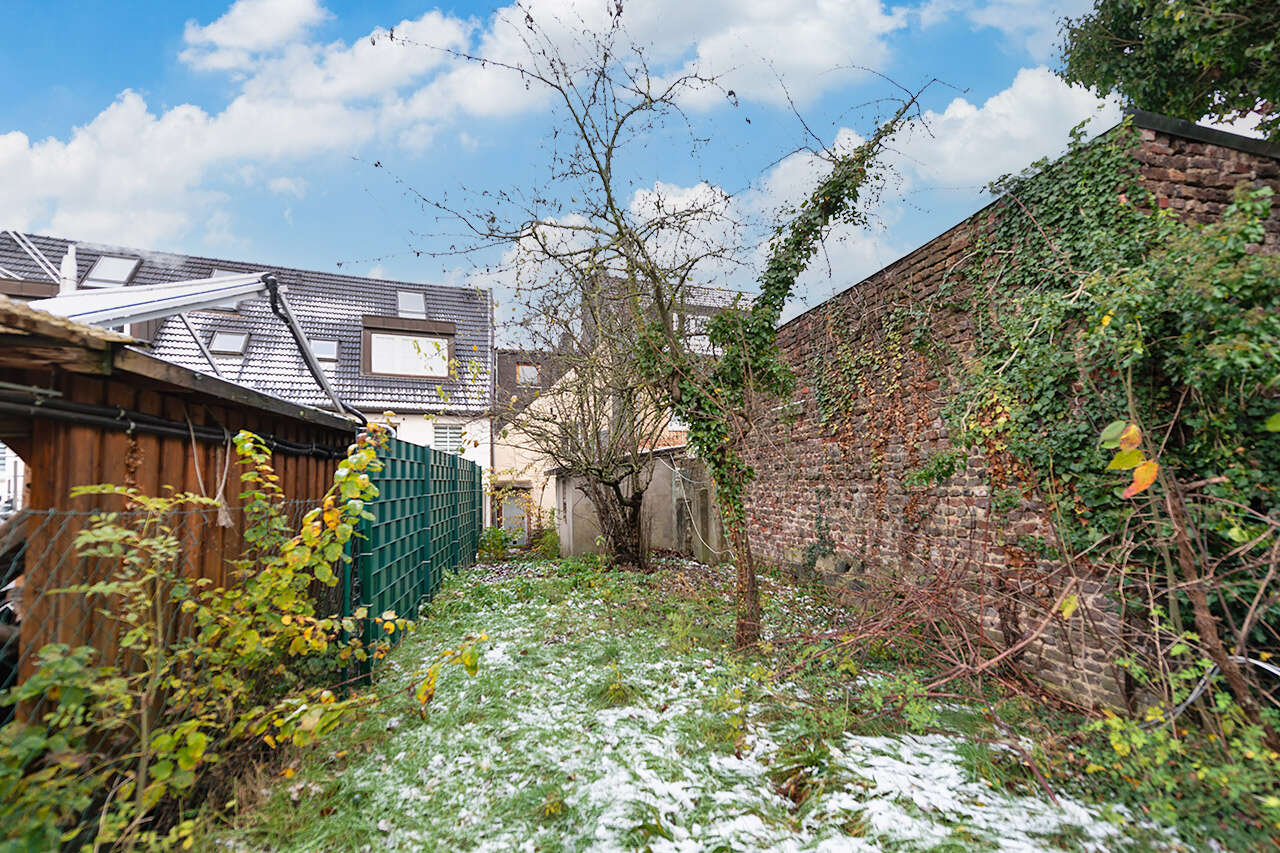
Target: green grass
[[610, 713]]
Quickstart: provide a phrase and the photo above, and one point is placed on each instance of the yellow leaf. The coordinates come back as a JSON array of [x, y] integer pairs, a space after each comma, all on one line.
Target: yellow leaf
[[1131, 437], [1143, 476], [1124, 460], [1069, 605]]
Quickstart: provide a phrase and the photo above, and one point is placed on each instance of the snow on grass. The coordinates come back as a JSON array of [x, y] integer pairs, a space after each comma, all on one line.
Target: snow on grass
[[531, 754]]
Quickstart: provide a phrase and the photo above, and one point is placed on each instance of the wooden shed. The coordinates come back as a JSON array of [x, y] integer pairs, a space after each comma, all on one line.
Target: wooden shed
[[82, 405]]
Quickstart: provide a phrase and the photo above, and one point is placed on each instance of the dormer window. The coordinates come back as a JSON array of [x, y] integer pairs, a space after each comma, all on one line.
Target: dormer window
[[111, 271], [411, 304], [402, 346], [229, 343]]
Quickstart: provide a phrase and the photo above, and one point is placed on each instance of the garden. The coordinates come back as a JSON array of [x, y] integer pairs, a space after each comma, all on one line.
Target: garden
[[607, 711]]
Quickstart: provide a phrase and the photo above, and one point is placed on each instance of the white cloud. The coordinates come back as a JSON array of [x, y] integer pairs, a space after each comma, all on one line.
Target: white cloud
[[964, 146], [295, 187], [968, 145], [1031, 25], [247, 28], [808, 47], [136, 175]]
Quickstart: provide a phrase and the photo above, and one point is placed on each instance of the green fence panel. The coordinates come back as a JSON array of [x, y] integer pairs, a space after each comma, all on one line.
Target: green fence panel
[[426, 523]]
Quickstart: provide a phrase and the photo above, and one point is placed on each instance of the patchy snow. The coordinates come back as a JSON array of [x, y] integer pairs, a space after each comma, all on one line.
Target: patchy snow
[[526, 731]]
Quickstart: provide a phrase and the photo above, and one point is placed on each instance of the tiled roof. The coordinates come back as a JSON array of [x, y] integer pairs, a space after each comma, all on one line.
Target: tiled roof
[[697, 296], [328, 306]]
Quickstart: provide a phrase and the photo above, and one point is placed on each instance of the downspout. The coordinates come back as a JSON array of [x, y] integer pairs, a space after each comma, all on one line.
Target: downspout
[[493, 407], [280, 307]]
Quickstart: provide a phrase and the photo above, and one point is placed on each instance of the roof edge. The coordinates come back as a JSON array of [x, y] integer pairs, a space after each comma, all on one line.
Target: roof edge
[[1199, 133], [130, 360]]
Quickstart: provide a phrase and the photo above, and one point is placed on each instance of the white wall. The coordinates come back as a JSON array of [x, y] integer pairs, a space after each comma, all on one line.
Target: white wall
[[12, 477], [420, 429]]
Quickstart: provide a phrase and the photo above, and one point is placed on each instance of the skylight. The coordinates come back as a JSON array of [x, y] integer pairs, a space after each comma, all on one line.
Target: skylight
[[411, 304], [325, 350], [229, 343], [110, 271]]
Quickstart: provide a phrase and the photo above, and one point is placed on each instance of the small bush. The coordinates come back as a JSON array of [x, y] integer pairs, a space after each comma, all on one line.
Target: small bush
[[121, 755], [614, 691], [547, 544], [495, 543]]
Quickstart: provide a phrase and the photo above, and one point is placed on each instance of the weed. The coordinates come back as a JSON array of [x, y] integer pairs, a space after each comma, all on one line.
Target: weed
[[614, 691]]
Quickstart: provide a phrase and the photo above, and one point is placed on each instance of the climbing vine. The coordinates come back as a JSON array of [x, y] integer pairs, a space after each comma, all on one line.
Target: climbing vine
[[716, 403], [1124, 377]]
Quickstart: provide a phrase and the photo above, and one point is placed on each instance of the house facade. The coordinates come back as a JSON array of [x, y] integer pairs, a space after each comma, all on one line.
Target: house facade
[[530, 492], [418, 357]]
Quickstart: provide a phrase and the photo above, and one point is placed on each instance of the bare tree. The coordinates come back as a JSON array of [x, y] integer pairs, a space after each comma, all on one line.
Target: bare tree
[[599, 421], [591, 222], [591, 256]]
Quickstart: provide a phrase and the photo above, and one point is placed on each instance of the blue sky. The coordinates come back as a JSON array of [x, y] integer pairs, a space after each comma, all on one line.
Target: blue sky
[[247, 129]]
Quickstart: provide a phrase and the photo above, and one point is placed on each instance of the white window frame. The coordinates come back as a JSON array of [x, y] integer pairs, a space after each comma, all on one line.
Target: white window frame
[[537, 374], [91, 280], [227, 349], [395, 354], [413, 298], [447, 437], [320, 347]]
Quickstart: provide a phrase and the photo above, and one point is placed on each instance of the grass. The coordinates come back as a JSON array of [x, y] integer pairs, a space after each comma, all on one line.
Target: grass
[[609, 713]]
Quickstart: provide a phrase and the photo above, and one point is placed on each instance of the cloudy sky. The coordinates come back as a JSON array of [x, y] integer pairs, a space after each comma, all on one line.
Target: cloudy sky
[[249, 130]]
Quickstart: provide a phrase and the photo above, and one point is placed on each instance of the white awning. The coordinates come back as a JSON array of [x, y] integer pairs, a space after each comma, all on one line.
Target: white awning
[[114, 306]]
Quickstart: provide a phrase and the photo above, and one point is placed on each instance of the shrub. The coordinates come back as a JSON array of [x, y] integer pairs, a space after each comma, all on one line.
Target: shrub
[[495, 543], [121, 748], [547, 544]]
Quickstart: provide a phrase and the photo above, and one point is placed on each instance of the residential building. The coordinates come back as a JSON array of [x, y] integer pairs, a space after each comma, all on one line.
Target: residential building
[[530, 492], [415, 356]]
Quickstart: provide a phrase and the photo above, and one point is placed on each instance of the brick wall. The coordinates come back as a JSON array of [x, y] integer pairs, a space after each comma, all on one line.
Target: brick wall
[[830, 497]]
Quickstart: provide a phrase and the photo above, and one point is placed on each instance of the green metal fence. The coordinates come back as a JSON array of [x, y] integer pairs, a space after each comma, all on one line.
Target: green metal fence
[[427, 520]]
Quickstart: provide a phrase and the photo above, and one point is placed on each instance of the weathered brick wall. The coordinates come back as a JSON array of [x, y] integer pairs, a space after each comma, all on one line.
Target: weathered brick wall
[[837, 488]]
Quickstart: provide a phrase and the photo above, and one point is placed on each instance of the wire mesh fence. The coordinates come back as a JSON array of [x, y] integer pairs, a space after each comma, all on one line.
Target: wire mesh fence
[[44, 576]]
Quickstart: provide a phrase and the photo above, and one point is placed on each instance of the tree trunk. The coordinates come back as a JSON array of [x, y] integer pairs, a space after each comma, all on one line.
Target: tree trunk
[[747, 600], [620, 522]]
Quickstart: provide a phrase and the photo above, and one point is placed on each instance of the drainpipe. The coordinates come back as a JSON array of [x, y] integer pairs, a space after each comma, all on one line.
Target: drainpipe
[[280, 307]]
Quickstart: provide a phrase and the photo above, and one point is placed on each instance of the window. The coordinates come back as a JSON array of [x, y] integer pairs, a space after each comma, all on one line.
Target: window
[[408, 355], [448, 437], [110, 271], [526, 374], [411, 304], [695, 330], [221, 273], [325, 350], [229, 343]]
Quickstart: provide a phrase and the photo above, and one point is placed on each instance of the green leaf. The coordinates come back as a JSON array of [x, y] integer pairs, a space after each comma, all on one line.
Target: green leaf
[[1273, 423], [1111, 434]]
